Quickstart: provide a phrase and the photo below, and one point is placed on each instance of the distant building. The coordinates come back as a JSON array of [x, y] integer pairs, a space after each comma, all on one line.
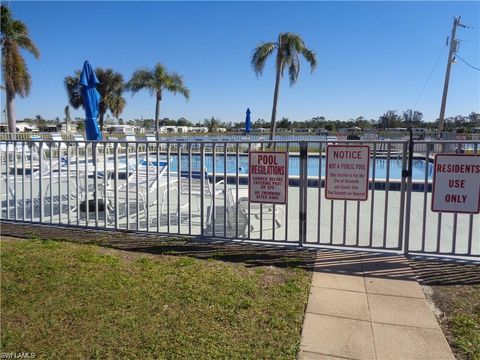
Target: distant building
[[68, 128], [25, 127], [51, 128], [120, 129], [321, 131], [259, 130], [182, 129], [304, 130], [201, 129]]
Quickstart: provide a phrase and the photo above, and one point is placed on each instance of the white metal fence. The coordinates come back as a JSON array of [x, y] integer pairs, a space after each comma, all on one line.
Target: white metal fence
[[200, 189]]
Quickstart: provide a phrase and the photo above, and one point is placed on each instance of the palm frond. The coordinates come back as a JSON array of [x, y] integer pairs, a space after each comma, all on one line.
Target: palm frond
[[73, 90], [294, 41], [159, 71], [111, 88], [311, 58], [141, 79], [291, 46], [14, 36], [117, 105], [174, 83], [293, 68], [22, 38], [15, 71], [260, 55]]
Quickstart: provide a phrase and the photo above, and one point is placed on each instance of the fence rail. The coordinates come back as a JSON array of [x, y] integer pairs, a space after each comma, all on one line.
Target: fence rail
[[200, 188]]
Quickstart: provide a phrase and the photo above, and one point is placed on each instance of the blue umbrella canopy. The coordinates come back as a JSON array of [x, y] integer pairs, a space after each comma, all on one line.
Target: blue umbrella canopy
[[91, 101], [248, 122]]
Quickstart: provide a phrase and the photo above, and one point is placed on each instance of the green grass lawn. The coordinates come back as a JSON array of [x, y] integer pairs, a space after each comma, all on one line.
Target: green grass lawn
[[64, 300], [455, 291], [463, 320]]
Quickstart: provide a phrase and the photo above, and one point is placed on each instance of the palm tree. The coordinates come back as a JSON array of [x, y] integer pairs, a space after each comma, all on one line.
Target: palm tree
[[111, 88], [14, 69], [288, 47], [155, 81], [67, 116]]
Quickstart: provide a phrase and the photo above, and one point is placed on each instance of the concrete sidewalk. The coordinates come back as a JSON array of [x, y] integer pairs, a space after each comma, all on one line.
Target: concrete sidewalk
[[368, 306]]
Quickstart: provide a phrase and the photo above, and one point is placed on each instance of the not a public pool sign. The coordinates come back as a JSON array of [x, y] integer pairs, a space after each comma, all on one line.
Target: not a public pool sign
[[456, 183], [268, 177], [347, 172]]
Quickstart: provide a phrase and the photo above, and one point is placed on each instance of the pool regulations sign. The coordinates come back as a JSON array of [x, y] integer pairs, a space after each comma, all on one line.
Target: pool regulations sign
[[268, 177], [456, 183], [347, 172]]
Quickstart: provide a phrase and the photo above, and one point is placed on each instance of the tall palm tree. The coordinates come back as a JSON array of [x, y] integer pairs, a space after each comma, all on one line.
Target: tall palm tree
[[111, 88], [67, 116], [289, 46], [14, 38], [156, 81]]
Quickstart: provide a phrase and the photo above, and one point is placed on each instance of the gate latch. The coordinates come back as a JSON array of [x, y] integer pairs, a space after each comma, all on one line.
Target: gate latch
[[405, 173]]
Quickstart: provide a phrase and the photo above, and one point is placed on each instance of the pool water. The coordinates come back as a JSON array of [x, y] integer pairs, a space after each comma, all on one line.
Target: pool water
[[293, 164]]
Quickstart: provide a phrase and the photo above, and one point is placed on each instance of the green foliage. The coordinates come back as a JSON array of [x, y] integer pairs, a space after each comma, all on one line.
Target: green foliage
[[155, 81], [288, 49], [14, 38], [466, 331], [110, 88], [284, 123], [212, 124], [259, 123]]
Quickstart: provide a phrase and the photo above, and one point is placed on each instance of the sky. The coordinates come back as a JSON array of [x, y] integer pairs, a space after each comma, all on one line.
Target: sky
[[372, 56]]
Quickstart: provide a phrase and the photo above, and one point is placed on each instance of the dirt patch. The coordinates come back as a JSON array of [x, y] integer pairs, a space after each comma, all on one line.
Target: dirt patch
[[454, 289]]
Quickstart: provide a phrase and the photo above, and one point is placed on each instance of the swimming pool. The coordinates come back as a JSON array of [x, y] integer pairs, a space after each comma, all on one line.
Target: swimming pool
[[294, 166]]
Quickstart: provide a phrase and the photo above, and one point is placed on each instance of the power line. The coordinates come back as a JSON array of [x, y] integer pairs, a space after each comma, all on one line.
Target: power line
[[473, 67], [428, 78]]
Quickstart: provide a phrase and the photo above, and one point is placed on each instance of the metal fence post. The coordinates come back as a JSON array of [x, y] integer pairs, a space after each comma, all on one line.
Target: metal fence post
[[303, 193], [408, 175]]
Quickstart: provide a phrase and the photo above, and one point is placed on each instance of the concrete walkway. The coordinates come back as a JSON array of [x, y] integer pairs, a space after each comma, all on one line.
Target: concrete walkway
[[368, 306]]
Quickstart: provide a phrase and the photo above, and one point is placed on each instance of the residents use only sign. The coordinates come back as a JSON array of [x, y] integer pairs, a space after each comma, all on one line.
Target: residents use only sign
[[347, 172], [268, 177], [456, 183]]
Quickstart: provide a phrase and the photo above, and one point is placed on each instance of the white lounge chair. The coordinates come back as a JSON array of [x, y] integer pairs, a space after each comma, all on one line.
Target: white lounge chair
[[144, 179], [257, 211], [191, 185], [58, 142]]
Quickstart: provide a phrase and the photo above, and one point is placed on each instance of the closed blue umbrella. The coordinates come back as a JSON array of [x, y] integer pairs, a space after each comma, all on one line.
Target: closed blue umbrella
[[248, 122], [91, 101]]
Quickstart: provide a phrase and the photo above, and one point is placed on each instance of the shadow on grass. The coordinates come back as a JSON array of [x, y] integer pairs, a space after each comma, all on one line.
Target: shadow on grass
[[442, 273], [353, 263], [247, 254]]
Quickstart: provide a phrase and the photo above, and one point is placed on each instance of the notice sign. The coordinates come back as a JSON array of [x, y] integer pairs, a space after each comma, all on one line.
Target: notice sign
[[268, 177], [347, 172], [456, 183]]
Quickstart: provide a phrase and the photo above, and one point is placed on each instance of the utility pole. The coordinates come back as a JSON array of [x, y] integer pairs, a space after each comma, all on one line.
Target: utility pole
[[451, 59]]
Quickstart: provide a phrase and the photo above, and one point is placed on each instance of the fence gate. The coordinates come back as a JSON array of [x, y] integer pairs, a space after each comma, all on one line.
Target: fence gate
[[441, 233], [373, 215]]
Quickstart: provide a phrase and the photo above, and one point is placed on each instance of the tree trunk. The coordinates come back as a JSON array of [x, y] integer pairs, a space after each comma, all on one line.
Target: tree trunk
[[100, 121], [12, 126], [275, 100], [157, 113]]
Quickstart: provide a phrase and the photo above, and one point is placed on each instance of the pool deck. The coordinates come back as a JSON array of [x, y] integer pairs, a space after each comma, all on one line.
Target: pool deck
[[368, 306], [372, 223]]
